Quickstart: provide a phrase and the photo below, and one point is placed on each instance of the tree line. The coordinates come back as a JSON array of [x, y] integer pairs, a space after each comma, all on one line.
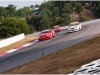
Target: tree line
[[15, 21], [54, 13], [11, 11]]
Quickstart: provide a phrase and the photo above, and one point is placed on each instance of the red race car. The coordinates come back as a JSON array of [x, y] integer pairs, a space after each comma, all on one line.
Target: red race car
[[57, 28], [46, 34]]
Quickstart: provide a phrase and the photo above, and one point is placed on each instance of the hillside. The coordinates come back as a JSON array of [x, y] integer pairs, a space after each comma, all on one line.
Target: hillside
[[64, 61], [88, 13]]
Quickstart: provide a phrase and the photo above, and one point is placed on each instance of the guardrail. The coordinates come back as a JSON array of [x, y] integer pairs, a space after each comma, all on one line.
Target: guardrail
[[11, 40], [65, 27], [89, 68]]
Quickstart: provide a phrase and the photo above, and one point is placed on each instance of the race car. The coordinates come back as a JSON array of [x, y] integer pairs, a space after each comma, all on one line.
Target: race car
[[75, 26], [46, 34], [57, 28]]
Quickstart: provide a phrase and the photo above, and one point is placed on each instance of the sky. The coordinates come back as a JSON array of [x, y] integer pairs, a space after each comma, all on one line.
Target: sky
[[20, 3]]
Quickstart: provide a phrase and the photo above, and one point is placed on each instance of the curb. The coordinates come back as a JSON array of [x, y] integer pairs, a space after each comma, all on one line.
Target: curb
[[18, 48]]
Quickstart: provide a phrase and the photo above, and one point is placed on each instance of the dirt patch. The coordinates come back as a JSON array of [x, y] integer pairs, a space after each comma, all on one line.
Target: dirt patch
[[62, 62], [92, 13], [74, 16], [88, 13], [20, 43]]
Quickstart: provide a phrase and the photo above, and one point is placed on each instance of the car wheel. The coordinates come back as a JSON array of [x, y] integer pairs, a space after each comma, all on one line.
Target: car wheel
[[39, 40], [79, 28]]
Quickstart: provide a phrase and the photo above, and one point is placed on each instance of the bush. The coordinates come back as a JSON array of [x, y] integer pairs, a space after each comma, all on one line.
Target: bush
[[67, 18], [56, 11], [64, 19], [68, 10], [13, 26], [35, 21], [82, 19], [60, 21]]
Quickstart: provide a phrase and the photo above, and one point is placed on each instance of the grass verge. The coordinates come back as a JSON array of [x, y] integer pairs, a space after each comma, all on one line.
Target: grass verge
[[19, 43], [64, 61]]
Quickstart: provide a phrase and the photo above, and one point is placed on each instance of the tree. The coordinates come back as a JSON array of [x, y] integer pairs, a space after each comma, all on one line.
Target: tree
[[59, 4], [19, 13], [79, 7], [73, 3], [26, 11], [47, 5], [32, 6], [13, 26], [98, 11], [36, 6], [43, 6], [28, 20], [48, 12], [56, 11], [64, 19], [67, 18], [45, 21], [60, 21], [23, 12], [68, 8], [50, 5], [35, 21], [11, 9], [69, 5], [2, 12]]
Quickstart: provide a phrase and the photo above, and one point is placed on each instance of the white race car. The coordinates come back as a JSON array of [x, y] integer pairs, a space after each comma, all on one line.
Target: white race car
[[75, 26]]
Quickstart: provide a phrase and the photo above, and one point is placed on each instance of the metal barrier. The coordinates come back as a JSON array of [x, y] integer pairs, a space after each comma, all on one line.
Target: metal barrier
[[11, 40]]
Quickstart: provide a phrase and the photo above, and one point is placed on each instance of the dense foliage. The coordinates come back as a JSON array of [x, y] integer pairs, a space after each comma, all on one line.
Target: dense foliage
[[49, 14], [13, 26]]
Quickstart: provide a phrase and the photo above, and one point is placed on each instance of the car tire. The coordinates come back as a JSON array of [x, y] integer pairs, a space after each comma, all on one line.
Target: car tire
[[79, 28], [39, 40]]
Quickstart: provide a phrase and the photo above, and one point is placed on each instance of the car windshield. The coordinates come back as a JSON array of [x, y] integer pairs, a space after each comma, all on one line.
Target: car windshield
[[56, 26], [72, 25], [45, 32]]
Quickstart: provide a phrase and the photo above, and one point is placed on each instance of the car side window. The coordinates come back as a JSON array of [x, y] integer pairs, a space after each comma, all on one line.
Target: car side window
[[50, 30]]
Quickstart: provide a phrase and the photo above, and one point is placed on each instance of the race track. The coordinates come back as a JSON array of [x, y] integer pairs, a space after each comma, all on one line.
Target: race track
[[41, 49]]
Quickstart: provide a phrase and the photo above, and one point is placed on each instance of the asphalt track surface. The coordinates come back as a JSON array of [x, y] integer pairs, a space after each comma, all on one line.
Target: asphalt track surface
[[43, 48]]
